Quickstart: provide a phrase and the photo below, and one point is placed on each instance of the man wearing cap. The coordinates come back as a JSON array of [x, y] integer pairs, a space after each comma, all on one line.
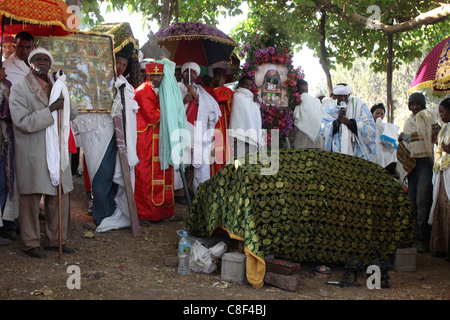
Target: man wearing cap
[[17, 66], [9, 46], [224, 97], [31, 115], [348, 126], [202, 112], [415, 161], [154, 186]]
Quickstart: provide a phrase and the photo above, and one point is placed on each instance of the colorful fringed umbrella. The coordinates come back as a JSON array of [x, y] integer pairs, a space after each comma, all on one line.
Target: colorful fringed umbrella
[[434, 72], [40, 18], [195, 42]]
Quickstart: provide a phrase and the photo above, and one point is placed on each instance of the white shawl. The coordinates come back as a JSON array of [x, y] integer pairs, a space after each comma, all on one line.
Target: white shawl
[[308, 116], [131, 108], [245, 118], [16, 69], [58, 155]]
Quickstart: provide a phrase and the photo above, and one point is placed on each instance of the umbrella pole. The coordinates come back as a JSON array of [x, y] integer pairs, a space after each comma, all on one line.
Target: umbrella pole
[[60, 189]]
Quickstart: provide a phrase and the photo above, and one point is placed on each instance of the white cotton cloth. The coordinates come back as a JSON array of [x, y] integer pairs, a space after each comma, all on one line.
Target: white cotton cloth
[[308, 116], [15, 68], [58, 154], [191, 65], [40, 50], [245, 118], [343, 90], [130, 113]]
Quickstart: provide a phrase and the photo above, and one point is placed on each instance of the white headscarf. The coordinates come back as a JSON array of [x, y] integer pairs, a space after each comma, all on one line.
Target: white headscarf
[[191, 65], [40, 50], [342, 90]]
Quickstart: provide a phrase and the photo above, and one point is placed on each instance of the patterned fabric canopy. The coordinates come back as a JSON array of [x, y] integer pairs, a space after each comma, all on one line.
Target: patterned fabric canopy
[[192, 30], [195, 42], [434, 72], [320, 206], [40, 18], [124, 42]]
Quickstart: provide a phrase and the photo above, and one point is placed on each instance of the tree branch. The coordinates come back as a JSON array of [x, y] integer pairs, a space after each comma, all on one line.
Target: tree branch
[[436, 15]]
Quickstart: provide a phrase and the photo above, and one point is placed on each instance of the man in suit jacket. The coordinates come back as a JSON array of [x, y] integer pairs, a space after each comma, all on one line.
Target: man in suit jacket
[[31, 115]]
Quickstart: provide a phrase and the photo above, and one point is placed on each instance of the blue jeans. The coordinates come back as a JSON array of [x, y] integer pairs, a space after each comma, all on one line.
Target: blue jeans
[[420, 190]]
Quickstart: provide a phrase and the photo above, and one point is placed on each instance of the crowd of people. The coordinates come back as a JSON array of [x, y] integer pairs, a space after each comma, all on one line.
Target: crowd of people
[[229, 125]]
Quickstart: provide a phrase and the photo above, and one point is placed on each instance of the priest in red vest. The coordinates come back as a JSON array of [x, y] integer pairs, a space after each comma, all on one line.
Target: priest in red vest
[[153, 187], [223, 95]]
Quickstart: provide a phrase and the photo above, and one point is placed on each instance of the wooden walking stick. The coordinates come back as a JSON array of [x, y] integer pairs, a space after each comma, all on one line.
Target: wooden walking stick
[[60, 188], [119, 130]]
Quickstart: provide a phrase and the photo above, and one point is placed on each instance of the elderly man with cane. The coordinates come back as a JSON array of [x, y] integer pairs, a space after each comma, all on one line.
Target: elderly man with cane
[[38, 154]]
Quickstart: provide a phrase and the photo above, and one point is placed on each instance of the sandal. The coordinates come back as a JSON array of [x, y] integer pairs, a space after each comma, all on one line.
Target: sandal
[[176, 218], [145, 223]]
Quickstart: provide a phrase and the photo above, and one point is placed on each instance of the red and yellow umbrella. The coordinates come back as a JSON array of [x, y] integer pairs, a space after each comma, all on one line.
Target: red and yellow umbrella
[[434, 72], [38, 17]]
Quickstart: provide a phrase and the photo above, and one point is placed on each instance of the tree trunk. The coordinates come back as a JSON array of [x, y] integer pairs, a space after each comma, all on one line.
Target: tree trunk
[[323, 51], [389, 72], [166, 12]]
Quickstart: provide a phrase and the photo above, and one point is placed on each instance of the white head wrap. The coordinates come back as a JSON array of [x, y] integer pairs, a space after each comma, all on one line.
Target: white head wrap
[[40, 50], [143, 62], [191, 65], [342, 90]]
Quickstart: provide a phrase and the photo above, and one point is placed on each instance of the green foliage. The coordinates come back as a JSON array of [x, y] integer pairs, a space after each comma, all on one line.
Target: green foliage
[[297, 22]]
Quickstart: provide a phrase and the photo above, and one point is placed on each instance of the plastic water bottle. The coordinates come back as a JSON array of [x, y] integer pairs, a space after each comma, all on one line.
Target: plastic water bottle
[[184, 251]]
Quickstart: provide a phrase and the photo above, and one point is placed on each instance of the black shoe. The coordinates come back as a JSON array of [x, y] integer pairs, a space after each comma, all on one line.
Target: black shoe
[[65, 249], [4, 241], [36, 253], [180, 199], [8, 234]]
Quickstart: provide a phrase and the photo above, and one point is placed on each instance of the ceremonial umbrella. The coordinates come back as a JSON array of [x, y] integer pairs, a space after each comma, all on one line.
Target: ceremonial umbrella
[[434, 72], [195, 42], [39, 18]]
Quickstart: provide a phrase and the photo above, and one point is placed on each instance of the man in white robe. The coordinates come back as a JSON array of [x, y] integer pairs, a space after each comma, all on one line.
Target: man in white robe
[[245, 120], [348, 125], [307, 119], [16, 66], [202, 112]]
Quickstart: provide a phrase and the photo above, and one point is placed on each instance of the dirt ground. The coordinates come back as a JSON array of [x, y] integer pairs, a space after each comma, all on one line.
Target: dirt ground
[[115, 265]]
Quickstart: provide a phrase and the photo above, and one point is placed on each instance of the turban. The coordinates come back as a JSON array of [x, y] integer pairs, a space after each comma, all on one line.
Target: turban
[[154, 68], [9, 39], [342, 90], [143, 62], [191, 65], [40, 50]]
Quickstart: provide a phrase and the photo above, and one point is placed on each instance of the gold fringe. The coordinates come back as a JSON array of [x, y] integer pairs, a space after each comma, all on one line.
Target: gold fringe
[[124, 43], [423, 85], [197, 36], [39, 22]]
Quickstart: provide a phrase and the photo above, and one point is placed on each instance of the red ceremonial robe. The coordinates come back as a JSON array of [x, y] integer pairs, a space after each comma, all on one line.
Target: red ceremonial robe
[[153, 187], [222, 152]]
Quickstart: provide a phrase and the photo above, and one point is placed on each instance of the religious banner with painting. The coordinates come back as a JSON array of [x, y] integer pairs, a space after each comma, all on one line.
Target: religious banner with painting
[[275, 86], [88, 61], [270, 81]]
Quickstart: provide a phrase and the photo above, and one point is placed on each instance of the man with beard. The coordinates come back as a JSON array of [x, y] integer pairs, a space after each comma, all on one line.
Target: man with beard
[[153, 186]]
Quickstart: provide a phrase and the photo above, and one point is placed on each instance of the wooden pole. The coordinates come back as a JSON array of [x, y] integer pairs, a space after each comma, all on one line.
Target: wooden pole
[[119, 131], [60, 188]]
